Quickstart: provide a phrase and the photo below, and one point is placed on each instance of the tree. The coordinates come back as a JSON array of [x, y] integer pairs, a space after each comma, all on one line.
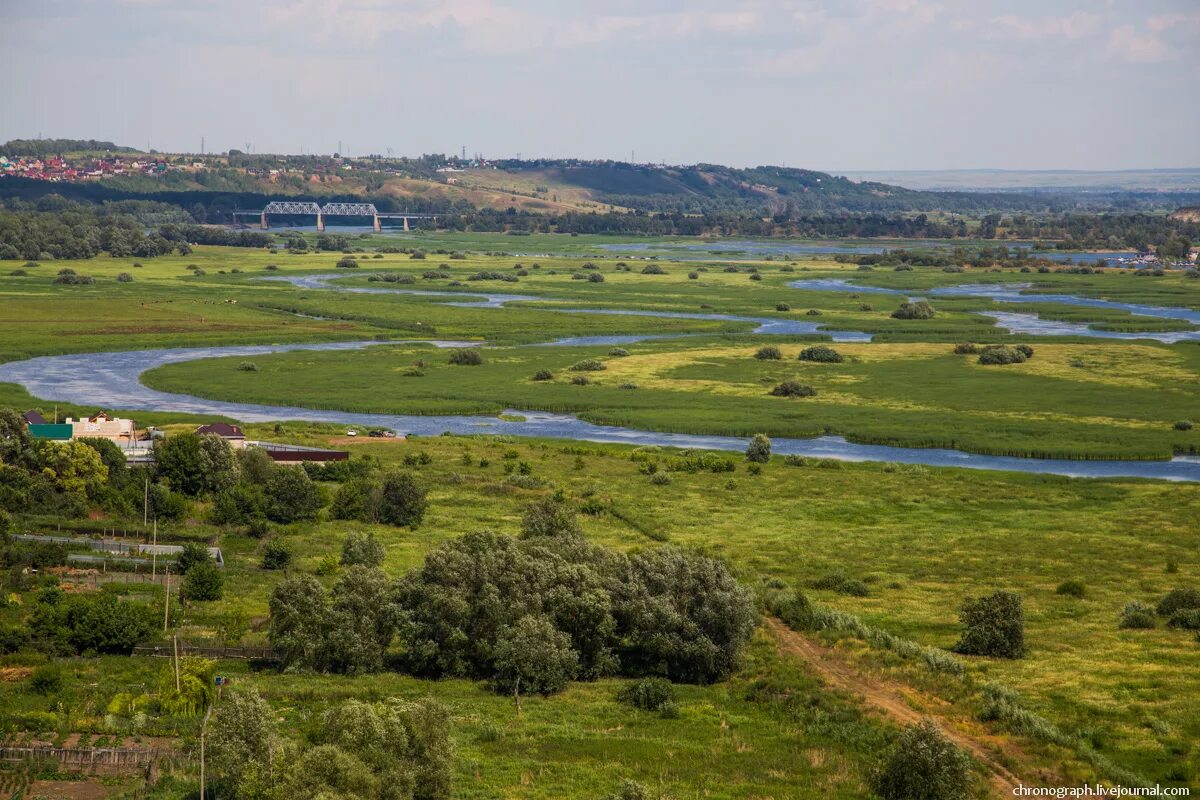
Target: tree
[[255, 465], [292, 496], [240, 741], [203, 582], [192, 554], [361, 549], [402, 500], [181, 462], [759, 449], [238, 504], [533, 656], [359, 498], [74, 467], [923, 765], [821, 354], [101, 623], [219, 462], [550, 516], [682, 616], [298, 621], [995, 626]]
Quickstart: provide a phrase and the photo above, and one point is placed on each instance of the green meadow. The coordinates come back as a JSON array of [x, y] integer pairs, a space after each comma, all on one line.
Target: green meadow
[[921, 541]]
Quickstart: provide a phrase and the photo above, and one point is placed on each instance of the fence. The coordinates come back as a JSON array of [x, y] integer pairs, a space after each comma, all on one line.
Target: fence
[[168, 651], [101, 578], [84, 759]]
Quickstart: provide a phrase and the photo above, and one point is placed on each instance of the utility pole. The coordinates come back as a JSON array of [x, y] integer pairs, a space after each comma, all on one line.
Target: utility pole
[[145, 503], [175, 639], [167, 600], [154, 552], [203, 731]]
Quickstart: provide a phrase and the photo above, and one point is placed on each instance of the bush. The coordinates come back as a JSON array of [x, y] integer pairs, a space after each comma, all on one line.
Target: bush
[[1136, 616], [581, 380], [793, 389], [248, 366], [995, 626], [466, 357], [821, 355], [1025, 349], [768, 353], [276, 555], [192, 555], [653, 269], [813, 312], [1183, 425], [782, 307], [759, 449], [595, 277], [124, 277], [1178, 599], [1001, 354], [543, 375], [1186, 618], [918, 310], [837, 582], [46, 680], [361, 550], [202, 582], [648, 694], [923, 765], [965, 349], [755, 277], [618, 352], [349, 262], [588, 365], [693, 276], [1071, 589], [551, 517]]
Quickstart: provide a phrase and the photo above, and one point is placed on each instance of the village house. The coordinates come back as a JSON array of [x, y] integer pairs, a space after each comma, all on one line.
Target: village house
[[102, 425], [230, 433]]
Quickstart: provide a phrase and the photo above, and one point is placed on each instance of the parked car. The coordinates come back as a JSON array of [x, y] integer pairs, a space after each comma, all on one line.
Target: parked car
[[352, 432]]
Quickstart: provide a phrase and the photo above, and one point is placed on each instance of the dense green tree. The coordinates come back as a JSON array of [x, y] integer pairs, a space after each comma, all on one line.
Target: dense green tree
[[192, 554], [241, 742], [924, 765], [96, 623], [532, 656], [402, 500], [994, 626], [203, 582], [292, 496]]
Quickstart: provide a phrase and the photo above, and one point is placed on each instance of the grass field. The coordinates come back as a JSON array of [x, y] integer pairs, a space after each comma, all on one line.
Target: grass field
[[922, 540]]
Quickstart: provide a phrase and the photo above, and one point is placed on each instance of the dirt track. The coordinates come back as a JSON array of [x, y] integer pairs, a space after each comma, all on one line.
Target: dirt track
[[893, 700]]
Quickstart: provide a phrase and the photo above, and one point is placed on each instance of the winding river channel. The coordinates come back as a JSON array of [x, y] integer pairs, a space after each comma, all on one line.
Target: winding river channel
[[112, 380]]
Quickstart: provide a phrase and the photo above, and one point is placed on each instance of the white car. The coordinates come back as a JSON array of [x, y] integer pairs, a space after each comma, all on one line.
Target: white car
[[352, 432]]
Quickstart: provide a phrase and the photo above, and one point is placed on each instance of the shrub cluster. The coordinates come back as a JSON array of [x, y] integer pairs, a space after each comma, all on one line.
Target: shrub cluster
[[1005, 354], [768, 353], [791, 388], [588, 365], [918, 310], [821, 354], [466, 357]]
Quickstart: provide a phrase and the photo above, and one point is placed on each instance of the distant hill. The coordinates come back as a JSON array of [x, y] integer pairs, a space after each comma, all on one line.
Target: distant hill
[[1057, 180], [775, 190], [40, 148]]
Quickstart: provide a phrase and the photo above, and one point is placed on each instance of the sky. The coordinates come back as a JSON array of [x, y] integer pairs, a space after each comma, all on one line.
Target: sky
[[822, 84]]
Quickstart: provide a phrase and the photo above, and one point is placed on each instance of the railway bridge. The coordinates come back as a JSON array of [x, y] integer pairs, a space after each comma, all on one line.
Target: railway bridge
[[305, 208]]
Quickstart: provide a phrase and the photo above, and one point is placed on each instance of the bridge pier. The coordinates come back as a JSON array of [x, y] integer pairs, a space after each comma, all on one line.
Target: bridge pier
[[263, 222], [375, 224], [405, 223], [320, 223]]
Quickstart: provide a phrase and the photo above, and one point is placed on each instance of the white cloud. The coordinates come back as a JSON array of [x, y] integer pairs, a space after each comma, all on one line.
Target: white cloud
[[1073, 26]]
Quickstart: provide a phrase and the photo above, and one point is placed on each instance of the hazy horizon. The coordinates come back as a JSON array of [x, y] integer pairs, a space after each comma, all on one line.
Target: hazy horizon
[[868, 85]]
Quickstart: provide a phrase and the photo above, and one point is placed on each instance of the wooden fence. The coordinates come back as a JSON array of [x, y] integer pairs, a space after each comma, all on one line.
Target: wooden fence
[[219, 651], [84, 759]]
